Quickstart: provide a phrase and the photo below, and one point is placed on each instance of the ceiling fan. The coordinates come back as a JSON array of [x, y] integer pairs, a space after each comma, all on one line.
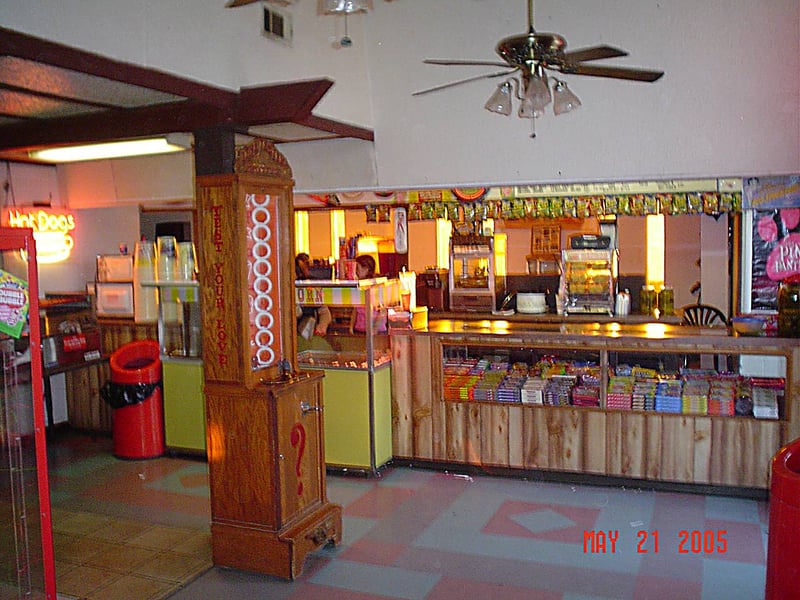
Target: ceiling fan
[[529, 56]]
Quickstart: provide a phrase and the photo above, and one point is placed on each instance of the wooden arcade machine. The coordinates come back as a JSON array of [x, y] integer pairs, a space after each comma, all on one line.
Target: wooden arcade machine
[[269, 505]]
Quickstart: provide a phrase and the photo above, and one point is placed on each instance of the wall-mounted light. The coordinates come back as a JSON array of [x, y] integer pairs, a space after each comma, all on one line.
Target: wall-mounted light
[[655, 250], [52, 232], [301, 236], [121, 149], [338, 232], [444, 229]]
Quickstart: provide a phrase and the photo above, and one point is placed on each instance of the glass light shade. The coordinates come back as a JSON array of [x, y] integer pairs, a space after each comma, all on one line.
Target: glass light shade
[[500, 101], [345, 6], [563, 99], [538, 91], [528, 111]]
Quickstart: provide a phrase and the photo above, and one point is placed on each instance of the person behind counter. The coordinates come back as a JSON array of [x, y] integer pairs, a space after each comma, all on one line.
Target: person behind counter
[[365, 269], [320, 314]]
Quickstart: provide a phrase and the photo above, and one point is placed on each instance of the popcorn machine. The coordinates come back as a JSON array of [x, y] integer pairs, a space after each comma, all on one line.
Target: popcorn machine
[[587, 281], [474, 282]]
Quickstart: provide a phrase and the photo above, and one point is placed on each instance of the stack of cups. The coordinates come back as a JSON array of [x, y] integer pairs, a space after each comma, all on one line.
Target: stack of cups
[[167, 247], [187, 266], [167, 270], [145, 299]]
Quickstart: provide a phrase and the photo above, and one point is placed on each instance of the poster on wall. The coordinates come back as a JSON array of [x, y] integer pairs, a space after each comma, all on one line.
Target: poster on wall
[[775, 235], [14, 304]]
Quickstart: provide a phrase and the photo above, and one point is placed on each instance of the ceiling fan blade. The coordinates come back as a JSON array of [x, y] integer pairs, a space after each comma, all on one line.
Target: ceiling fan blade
[[451, 62], [613, 72], [235, 3], [462, 81], [593, 53]]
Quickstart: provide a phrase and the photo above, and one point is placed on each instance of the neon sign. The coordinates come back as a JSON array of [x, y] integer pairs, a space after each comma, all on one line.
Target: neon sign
[[52, 232]]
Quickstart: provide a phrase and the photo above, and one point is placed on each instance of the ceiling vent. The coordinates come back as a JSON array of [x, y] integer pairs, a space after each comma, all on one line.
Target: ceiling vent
[[277, 24]]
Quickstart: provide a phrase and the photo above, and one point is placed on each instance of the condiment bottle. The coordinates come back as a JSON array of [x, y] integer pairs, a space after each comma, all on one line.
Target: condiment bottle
[[623, 305], [666, 301], [789, 307]]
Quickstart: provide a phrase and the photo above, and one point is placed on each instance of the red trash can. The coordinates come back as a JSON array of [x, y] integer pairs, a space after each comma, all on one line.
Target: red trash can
[[783, 545], [138, 427]]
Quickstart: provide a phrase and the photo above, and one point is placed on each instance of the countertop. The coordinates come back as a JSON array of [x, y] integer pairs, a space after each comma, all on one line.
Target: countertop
[[574, 333]]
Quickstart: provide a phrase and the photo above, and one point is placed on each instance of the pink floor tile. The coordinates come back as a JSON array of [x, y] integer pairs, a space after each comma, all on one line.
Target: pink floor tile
[[650, 587], [457, 589], [738, 545], [502, 522], [376, 553], [310, 591], [668, 564], [123, 492], [378, 502]]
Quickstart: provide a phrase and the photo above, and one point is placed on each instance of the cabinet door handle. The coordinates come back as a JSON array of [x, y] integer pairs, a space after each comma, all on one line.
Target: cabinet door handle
[[305, 407]]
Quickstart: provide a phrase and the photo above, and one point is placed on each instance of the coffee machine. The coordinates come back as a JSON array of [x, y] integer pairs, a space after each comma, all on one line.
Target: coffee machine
[[433, 289]]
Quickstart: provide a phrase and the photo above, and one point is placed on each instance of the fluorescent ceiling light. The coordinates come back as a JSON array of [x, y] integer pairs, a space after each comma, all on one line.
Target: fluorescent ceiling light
[[141, 147]]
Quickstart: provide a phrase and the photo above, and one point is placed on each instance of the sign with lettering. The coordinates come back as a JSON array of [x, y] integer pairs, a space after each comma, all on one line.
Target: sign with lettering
[[762, 193], [53, 232], [14, 304]]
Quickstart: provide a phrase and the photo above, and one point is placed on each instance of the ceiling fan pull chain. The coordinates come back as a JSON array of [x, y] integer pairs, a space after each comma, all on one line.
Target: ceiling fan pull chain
[[346, 41]]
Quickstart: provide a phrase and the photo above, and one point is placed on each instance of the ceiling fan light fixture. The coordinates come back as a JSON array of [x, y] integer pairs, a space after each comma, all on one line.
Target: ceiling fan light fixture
[[500, 100], [345, 7], [528, 110], [564, 100], [537, 89]]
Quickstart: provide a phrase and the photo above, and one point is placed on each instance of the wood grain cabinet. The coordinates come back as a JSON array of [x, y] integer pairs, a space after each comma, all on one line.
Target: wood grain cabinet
[[264, 425], [697, 449], [267, 470]]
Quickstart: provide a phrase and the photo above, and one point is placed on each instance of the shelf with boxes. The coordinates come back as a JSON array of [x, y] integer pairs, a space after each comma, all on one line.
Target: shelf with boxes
[[577, 420]]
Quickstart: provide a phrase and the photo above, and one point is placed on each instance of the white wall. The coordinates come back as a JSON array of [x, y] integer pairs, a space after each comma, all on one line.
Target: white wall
[[98, 231], [727, 106]]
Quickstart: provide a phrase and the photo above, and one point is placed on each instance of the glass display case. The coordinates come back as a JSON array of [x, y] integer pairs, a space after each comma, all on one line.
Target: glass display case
[[588, 280], [180, 337], [179, 317], [474, 283], [27, 560], [357, 367]]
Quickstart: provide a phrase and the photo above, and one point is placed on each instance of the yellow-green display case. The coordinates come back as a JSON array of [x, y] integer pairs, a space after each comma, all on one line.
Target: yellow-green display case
[[182, 365], [357, 387], [184, 406]]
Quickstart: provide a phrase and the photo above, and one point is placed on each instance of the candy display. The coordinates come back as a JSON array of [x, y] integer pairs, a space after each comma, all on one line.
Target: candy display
[[555, 382]]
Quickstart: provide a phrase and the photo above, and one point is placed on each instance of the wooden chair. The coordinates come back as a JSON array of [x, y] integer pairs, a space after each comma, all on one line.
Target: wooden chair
[[702, 315]]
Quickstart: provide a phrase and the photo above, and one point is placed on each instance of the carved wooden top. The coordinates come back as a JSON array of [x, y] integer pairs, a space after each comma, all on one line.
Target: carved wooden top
[[261, 157]]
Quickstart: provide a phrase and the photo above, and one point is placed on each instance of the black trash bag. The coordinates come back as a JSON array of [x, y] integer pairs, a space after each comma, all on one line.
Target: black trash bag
[[120, 395]]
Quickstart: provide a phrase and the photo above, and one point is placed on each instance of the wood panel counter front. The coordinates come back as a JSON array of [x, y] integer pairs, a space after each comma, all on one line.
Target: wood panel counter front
[[720, 451]]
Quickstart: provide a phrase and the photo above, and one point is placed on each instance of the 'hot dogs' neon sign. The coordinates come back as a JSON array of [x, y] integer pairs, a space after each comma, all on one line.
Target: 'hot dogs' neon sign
[[52, 232]]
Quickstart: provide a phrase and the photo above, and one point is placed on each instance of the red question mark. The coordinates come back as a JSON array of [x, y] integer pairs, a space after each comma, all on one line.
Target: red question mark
[[298, 438]]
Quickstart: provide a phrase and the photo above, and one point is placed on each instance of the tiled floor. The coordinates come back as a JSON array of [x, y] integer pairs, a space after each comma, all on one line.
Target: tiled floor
[[416, 534], [125, 530]]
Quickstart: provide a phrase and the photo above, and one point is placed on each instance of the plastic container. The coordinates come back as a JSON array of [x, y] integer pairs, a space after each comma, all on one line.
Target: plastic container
[[138, 425], [783, 546]]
